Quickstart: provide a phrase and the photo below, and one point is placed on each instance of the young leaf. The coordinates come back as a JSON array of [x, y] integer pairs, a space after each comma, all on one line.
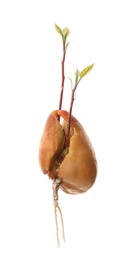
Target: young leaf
[[85, 71], [77, 74], [67, 44], [71, 83], [66, 32], [58, 29]]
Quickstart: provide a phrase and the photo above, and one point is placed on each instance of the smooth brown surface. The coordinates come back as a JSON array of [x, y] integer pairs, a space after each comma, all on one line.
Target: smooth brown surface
[[79, 168], [51, 145]]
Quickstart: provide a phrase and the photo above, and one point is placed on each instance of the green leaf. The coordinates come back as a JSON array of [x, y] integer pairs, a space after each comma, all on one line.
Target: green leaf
[[67, 44], [71, 82], [66, 32], [77, 74], [85, 71], [58, 29]]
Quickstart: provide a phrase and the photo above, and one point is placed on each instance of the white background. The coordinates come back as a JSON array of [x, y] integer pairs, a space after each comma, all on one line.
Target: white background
[[100, 224]]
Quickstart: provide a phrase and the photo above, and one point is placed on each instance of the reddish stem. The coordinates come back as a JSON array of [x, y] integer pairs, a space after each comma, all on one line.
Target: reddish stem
[[63, 77], [70, 113]]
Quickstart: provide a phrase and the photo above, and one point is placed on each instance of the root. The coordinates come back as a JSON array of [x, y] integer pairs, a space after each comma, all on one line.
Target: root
[[55, 187]]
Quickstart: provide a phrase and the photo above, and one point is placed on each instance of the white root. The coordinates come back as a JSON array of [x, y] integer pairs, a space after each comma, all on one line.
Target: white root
[[55, 187]]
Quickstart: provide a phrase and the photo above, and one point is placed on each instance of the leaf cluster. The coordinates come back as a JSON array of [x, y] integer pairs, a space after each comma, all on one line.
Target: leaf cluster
[[78, 75], [63, 32]]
